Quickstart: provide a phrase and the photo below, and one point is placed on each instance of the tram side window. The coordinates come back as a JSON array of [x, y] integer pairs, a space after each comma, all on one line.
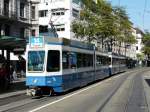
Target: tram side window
[[84, 60], [90, 60], [72, 60], [102, 61], [53, 61], [116, 61], [105, 60], [65, 60], [79, 60], [98, 60], [122, 61], [69, 60]]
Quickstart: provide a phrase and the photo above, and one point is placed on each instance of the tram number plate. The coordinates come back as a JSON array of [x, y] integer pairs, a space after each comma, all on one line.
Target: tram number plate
[[36, 42]]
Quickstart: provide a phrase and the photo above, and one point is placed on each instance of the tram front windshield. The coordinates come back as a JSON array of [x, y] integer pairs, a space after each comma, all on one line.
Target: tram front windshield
[[36, 60]]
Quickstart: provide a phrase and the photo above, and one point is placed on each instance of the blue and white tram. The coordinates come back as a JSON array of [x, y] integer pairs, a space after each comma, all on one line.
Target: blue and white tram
[[57, 65], [118, 64]]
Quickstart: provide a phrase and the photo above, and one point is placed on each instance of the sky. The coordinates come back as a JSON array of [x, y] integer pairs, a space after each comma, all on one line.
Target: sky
[[135, 10]]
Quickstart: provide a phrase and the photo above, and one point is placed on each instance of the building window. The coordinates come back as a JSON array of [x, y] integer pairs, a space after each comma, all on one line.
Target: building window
[[60, 27], [75, 13], [43, 13], [7, 30], [33, 32], [43, 29], [136, 47], [58, 13], [6, 7], [22, 9], [33, 12], [76, 1], [22, 32]]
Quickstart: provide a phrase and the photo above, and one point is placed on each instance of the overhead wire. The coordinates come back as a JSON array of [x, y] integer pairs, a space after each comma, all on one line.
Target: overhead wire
[[119, 2], [145, 5]]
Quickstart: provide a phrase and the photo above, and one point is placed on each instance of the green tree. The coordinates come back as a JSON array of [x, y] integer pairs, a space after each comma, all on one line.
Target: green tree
[[103, 22], [124, 26], [140, 56], [146, 42], [78, 29]]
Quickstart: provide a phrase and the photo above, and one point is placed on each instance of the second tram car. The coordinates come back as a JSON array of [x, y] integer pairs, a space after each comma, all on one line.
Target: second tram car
[[58, 65]]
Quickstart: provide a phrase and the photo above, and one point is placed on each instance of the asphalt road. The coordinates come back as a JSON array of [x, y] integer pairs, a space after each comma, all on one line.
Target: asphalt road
[[126, 92]]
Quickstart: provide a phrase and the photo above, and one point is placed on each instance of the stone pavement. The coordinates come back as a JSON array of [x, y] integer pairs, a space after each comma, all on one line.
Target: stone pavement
[[146, 83], [16, 88]]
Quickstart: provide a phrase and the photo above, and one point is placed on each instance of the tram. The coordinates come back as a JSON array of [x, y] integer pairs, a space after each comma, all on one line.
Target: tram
[[58, 65]]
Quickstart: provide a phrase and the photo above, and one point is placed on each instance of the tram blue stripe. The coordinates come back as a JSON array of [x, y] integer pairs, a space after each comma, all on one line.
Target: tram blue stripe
[[65, 82]]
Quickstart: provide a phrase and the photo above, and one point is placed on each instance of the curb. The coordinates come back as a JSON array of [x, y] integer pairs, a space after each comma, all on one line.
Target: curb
[[16, 89], [12, 94]]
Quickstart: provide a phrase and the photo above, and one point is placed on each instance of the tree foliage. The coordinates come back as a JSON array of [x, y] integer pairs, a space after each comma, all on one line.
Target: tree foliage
[[146, 42], [103, 22]]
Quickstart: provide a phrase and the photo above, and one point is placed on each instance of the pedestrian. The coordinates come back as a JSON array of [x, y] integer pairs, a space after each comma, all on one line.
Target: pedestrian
[[11, 73], [22, 74], [3, 76], [15, 75]]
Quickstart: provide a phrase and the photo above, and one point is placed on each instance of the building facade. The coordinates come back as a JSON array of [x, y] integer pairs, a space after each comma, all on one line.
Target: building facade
[[18, 21], [139, 44], [18, 18], [58, 14]]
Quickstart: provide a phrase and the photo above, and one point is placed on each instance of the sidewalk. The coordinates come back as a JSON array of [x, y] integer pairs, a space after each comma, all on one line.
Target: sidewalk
[[16, 88]]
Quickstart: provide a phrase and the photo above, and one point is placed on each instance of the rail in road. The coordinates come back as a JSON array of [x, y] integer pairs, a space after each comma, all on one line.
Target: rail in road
[[126, 92]]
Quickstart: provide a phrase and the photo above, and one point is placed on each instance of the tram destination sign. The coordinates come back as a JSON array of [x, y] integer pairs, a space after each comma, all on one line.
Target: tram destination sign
[[36, 42]]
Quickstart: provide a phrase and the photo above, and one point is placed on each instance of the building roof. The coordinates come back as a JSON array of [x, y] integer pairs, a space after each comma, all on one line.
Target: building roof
[[139, 31]]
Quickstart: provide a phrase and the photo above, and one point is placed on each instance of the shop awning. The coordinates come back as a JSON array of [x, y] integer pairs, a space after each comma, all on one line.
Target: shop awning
[[11, 43]]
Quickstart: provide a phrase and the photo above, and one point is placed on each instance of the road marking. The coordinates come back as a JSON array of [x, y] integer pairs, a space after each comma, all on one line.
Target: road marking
[[114, 77]]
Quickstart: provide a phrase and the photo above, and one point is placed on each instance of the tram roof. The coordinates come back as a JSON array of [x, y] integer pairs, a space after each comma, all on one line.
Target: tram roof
[[71, 43], [67, 42]]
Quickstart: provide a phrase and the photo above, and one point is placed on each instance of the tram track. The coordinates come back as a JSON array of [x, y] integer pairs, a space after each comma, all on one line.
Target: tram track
[[29, 101], [4, 101], [137, 98], [108, 98], [125, 105], [33, 103]]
